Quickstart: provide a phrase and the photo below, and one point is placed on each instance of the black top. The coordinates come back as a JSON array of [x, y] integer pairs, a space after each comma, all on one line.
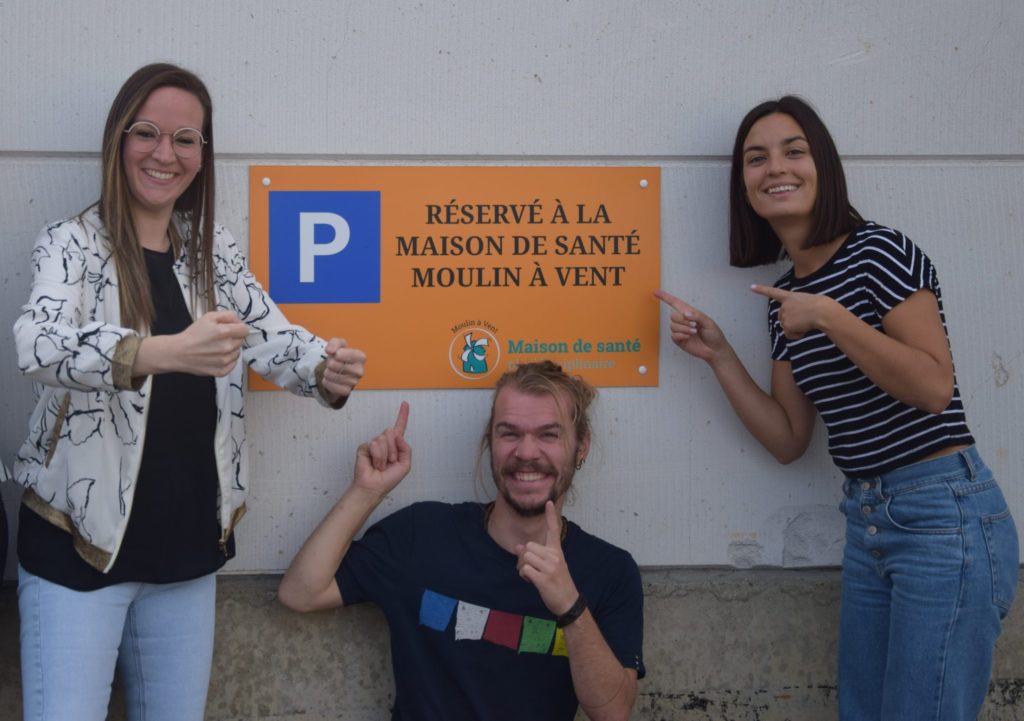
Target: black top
[[173, 532]]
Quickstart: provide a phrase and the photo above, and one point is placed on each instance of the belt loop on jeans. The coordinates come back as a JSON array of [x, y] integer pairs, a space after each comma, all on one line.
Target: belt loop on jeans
[[969, 462]]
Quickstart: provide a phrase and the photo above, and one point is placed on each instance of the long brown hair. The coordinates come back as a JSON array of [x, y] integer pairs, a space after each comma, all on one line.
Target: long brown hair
[[195, 206], [751, 239]]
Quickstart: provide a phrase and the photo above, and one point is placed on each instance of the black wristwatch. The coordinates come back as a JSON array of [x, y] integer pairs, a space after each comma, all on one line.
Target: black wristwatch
[[574, 612]]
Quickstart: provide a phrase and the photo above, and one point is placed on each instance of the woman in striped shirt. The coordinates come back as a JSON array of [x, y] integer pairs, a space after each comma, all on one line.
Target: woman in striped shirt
[[858, 336]]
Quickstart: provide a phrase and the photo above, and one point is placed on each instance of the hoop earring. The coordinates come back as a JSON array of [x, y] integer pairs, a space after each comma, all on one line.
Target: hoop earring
[[580, 464]]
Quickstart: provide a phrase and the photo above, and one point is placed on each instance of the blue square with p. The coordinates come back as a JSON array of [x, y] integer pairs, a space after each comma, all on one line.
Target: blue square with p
[[324, 246]]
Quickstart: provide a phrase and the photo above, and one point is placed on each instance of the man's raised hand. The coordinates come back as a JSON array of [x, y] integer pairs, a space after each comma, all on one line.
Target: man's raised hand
[[382, 463], [543, 565]]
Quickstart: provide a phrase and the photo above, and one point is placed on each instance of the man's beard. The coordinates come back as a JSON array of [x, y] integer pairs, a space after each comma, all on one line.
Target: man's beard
[[563, 480]]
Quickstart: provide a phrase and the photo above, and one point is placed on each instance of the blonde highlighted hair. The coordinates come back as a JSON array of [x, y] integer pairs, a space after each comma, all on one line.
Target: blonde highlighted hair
[[547, 378]]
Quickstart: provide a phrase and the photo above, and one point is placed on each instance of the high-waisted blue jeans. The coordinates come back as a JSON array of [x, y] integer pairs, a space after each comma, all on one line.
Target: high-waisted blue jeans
[[159, 635], [929, 572]]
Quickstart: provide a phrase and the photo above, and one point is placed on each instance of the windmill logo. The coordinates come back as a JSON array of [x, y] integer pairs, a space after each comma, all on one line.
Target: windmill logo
[[473, 353]]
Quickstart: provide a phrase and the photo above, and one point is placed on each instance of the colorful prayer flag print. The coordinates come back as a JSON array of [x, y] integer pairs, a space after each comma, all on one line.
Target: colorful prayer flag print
[[560, 648], [524, 634], [436, 610], [537, 635], [470, 621], [503, 629]]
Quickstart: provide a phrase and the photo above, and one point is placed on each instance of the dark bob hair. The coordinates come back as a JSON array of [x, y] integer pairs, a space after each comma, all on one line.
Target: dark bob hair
[[751, 239]]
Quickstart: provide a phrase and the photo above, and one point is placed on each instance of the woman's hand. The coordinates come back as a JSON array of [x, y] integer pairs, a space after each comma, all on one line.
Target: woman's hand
[[799, 313], [210, 346], [694, 332], [343, 369]]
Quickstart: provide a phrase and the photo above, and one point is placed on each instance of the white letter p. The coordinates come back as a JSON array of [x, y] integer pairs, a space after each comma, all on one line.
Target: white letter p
[[308, 249]]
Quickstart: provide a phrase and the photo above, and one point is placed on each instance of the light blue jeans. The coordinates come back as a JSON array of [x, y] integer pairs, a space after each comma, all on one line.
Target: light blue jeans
[[160, 636], [929, 572]]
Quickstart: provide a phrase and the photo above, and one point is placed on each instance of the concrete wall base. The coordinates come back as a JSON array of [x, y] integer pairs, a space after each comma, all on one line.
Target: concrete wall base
[[720, 645]]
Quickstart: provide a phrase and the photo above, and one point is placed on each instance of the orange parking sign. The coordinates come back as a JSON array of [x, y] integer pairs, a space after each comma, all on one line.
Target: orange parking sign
[[448, 276]]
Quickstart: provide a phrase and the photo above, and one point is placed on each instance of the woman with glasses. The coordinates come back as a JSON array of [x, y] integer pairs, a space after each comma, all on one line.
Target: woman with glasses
[[141, 322], [858, 336]]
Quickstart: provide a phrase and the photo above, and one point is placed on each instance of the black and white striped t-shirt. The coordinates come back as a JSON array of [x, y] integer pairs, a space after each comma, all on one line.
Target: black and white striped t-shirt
[[869, 431]]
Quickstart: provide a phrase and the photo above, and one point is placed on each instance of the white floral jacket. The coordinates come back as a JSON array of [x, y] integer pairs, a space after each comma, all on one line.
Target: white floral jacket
[[84, 449]]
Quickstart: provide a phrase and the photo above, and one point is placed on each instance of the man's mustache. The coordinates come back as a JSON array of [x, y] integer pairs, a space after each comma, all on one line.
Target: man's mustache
[[517, 466]]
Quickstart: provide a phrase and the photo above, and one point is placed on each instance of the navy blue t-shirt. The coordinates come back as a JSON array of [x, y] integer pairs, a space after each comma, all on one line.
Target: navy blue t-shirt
[[470, 639]]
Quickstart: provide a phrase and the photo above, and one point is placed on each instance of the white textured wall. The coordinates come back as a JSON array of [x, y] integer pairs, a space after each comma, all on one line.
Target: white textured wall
[[924, 98]]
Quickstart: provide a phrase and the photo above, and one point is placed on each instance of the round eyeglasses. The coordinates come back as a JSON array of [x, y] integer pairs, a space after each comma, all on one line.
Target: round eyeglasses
[[144, 136]]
